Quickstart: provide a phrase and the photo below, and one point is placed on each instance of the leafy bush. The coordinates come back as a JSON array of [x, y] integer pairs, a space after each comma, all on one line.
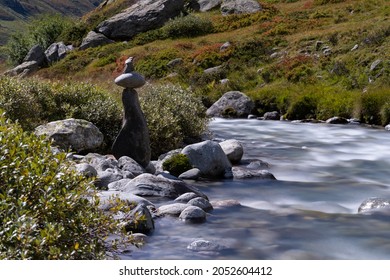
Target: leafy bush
[[34, 102], [303, 108], [177, 164], [174, 116], [187, 26], [47, 211]]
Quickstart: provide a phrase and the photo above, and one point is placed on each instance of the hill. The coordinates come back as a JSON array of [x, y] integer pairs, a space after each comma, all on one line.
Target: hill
[[303, 58], [14, 12]]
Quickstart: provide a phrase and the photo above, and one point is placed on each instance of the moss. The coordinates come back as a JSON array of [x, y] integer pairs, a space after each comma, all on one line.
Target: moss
[[177, 164]]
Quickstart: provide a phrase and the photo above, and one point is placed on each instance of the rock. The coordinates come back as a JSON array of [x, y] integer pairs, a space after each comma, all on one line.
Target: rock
[[233, 150], [318, 45], [185, 197], [126, 163], [192, 174], [237, 102], [76, 134], [374, 204], [375, 64], [108, 176], [140, 17], [151, 185], [240, 7], [202, 245], [213, 70], [118, 185], [209, 158], [100, 162], [244, 173], [93, 40], [174, 209], [201, 203], [355, 47], [337, 120], [24, 69], [175, 62], [139, 220], [86, 169], [257, 164], [193, 214], [225, 203], [208, 5], [275, 116], [387, 127], [224, 81], [108, 199], [36, 53], [225, 47], [130, 80], [56, 52]]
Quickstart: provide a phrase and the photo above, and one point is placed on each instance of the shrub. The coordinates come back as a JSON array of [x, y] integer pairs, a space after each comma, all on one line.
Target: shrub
[[303, 108], [177, 164], [47, 211], [155, 65], [187, 26], [174, 116], [34, 102]]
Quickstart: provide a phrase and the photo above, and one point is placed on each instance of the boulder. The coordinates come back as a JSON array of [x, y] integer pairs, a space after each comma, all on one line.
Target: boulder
[[24, 69], [233, 104], [174, 209], [36, 53], [193, 214], [76, 134], [140, 17], [337, 120], [245, 173], [374, 204], [93, 40], [233, 150], [208, 5], [185, 197], [387, 127], [151, 185], [56, 52], [240, 7], [139, 220], [209, 158], [118, 185], [109, 176], [202, 246], [201, 203], [192, 174], [126, 163], [107, 199], [86, 169], [274, 116]]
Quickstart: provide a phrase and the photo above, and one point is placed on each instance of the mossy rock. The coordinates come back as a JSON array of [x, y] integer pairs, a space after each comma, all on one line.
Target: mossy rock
[[177, 164]]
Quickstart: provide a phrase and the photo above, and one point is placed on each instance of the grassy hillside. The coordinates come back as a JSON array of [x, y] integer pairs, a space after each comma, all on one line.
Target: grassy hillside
[[306, 59], [13, 13]]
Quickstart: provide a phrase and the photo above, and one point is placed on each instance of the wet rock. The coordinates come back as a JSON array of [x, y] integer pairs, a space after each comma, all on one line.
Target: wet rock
[[374, 204], [275, 116], [232, 104], [225, 203], [75, 134], [93, 40], [174, 209], [257, 164], [209, 158], [193, 214], [192, 174], [233, 150], [185, 197], [151, 185], [140, 17], [201, 203], [202, 245], [244, 173], [337, 120], [240, 7]]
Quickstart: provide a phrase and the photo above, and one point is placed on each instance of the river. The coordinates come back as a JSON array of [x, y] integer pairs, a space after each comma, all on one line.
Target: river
[[324, 172]]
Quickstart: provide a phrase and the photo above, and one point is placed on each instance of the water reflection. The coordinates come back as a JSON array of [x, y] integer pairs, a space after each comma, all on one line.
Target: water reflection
[[324, 172]]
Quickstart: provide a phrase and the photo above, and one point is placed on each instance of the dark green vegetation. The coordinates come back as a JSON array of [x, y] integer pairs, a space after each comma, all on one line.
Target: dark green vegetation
[[177, 164], [47, 210]]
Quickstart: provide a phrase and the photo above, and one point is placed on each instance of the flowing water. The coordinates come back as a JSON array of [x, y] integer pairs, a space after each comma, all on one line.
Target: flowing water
[[324, 172]]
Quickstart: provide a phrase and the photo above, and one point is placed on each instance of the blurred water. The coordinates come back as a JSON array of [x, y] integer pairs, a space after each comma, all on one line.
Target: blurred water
[[324, 172]]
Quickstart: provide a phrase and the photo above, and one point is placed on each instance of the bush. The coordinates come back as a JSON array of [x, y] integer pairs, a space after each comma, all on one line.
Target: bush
[[47, 211], [187, 26], [34, 102], [177, 164], [303, 108], [174, 116]]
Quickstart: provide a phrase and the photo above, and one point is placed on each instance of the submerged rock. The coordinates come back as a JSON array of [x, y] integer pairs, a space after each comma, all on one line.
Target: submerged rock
[[374, 204]]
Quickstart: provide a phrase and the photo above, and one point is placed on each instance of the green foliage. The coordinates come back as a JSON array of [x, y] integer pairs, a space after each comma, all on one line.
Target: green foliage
[[187, 26], [177, 164], [325, 2], [47, 211], [304, 108], [155, 65], [34, 102], [374, 106], [174, 116], [43, 30]]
